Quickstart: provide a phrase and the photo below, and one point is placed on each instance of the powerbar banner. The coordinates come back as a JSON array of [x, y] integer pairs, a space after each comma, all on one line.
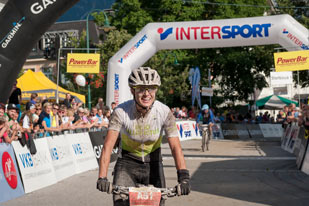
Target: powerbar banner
[[291, 61], [22, 25], [83, 63]]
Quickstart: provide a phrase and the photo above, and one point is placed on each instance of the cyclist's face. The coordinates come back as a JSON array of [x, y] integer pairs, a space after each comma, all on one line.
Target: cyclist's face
[[145, 95]]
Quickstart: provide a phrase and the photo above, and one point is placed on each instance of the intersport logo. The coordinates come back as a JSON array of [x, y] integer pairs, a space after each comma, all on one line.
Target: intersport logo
[[295, 40], [216, 32], [9, 170]]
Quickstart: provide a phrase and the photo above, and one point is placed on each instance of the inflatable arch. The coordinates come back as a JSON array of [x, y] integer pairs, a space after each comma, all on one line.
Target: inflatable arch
[[279, 29], [23, 22]]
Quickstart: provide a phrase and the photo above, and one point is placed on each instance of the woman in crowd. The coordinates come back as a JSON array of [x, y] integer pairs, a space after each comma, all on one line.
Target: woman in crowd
[[27, 119], [4, 128], [47, 119]]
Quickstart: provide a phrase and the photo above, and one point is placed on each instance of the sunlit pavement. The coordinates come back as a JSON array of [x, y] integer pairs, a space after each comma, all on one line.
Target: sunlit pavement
[[233, 172]]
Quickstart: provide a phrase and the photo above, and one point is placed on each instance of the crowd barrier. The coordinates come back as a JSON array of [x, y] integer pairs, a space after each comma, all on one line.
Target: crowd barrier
[[295, 140], [188, 130]]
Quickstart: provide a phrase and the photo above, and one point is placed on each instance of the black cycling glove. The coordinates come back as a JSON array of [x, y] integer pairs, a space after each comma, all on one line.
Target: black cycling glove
[[184, 182], [103, 185]]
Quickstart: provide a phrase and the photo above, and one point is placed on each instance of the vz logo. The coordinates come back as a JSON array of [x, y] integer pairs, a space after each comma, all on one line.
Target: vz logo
[[166, 33], [285, 31]]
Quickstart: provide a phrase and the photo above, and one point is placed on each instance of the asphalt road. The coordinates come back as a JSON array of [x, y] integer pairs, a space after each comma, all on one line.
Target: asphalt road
[[242, 173]]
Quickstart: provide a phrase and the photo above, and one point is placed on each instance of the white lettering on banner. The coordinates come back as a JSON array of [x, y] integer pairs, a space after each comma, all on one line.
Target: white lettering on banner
[[38, 7], [97, 150], [11, 35]]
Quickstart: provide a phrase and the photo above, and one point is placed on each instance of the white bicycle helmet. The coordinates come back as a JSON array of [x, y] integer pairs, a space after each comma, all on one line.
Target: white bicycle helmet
[[144, 76]]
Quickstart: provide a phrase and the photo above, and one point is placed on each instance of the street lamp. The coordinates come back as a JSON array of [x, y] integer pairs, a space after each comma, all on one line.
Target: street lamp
[[106, 24]]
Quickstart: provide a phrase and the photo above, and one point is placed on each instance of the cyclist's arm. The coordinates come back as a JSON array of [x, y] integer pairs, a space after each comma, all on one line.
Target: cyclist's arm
[[175, 146], [108, 146]]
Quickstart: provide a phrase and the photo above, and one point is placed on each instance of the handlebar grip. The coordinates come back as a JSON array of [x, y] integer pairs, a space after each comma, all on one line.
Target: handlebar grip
[[178, 190], [110, 188]]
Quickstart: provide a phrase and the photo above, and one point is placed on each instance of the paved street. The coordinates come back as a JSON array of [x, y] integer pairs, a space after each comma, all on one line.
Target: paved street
[[233, 172]]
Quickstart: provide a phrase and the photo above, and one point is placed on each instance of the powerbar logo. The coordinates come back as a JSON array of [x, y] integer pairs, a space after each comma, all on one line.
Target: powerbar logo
[[8, 38], [216, 32], [133, 48], [297, 60], [295, 40], [40, 6], [116, 89]]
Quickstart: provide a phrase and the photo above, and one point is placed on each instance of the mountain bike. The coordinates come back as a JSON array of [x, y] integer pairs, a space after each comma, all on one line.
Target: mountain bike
[[205, 136], [143, 195]]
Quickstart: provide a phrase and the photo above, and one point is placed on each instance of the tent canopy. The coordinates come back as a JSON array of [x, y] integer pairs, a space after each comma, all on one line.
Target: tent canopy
[[274, 102], [37, 82]]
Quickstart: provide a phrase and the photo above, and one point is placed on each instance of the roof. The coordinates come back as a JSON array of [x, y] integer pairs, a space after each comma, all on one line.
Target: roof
[[37, 82]]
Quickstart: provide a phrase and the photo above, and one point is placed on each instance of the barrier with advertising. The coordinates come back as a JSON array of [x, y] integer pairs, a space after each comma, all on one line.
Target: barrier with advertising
[[271, 130], [61, 157], [286, 136], [302, 148], [10, 182], [37, 170], [254, 131], [187, 130], [291, 140], [242, 131], [82, 152], [229, 131], [217, 132], [97, 140], [305, 163]]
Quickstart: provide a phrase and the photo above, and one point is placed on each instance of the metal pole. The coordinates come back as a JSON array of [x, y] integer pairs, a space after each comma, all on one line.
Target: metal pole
[[209, 85], [298, 88], [58, 71], [87, 35]]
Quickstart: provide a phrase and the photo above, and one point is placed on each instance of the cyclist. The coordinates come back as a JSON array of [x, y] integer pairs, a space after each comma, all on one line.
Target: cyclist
[[141, 123], [206, 116]]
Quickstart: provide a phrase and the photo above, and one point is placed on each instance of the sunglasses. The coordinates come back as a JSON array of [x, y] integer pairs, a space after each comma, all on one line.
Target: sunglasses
[[143, 89]]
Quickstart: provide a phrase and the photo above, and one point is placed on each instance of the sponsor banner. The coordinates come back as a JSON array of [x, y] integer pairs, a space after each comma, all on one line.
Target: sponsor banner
[[254, 131], [302, 147], [280, 90], [292, 61], [10, 182], [242, 131], [305, 163], [281, 78], [207, 91], [286, 136], [271, 130], [82, 152], [83, 63], [188, 130], [229, 131], [61, 157], [217, 132], [97, 140], [291, 141], [37, 170]]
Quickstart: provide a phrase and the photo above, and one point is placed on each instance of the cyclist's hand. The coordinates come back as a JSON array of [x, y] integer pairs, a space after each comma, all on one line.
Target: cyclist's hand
[[103, 185], [184, 182]]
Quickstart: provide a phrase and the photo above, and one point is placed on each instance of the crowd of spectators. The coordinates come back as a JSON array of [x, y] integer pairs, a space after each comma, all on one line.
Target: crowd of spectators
[[42, 117], [288, 115]]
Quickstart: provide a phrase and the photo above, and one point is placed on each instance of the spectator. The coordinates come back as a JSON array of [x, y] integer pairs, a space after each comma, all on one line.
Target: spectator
[[106, 115], [33, 100], [182, 114], [113, 106], [67, 101], [100, 104], [63, 117], [177, 109], [4, 137], [216, 118], [280, 117], [54, 116], [27, 119], [38, 110], [221, 117], [2, 111], [192, 113], [16, 98], [46, 118]]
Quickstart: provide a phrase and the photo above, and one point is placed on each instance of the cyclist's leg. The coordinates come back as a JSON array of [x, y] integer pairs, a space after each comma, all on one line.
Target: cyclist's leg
[[123, 176], [156, 177]]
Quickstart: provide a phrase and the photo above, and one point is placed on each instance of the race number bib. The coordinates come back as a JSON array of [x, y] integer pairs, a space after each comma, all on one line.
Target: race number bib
[[144, 196]]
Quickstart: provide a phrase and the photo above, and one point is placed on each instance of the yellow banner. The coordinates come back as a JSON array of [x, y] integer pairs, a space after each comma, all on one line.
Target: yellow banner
[[292, 61], [83, 63]]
